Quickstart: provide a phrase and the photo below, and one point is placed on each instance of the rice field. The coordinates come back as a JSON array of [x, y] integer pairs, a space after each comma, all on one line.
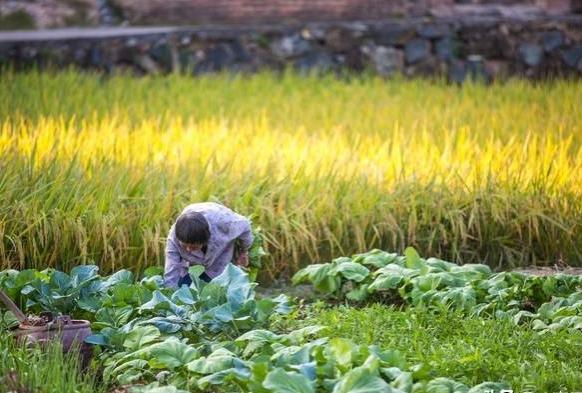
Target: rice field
[[95, 168]]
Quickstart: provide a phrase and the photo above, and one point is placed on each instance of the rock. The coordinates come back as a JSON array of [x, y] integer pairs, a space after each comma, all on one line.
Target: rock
[[222, 56], [147, 64], [497, 69], [217, 58], [393, 35], [340, 40], [445, 49], [126, 53], [80, 56], [353, 59], [27, 56], [416, 50], [484, 39], [185, 40], [457, 71], [95, 57], [316, 33], [430, 66], [187, 60], [552, 40], [314, 61], [572, 56], [386, 60], [239, 51], [358, 29], [49, 56], [530, 54], [131, 42], [476, 69], [161, 53], [433, 31], [290, 46]]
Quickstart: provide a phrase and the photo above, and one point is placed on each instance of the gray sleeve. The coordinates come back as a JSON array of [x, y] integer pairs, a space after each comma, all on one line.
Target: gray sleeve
[[173, 269], [246, 234]]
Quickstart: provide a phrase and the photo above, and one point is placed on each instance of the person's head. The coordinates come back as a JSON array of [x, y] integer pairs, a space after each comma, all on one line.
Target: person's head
[[192, 231]]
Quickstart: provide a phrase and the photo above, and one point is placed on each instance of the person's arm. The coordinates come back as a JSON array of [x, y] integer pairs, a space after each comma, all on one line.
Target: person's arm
[[246, 236], [246, 241], [173, 268]]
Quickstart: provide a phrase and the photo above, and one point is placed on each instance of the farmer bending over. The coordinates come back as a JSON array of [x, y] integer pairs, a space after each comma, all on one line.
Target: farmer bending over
[[205, 234]]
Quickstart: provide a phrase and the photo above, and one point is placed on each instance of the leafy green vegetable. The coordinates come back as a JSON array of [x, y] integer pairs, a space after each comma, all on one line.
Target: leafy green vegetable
[[283, 381], [362, 380], [439, 284], [217, 333]]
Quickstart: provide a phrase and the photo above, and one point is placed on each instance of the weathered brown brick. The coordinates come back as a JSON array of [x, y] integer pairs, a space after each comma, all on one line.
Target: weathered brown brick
[[248, 11]]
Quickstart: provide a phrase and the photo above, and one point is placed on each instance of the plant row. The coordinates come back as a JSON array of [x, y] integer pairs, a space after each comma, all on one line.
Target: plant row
[[549, 302], [210, 336]]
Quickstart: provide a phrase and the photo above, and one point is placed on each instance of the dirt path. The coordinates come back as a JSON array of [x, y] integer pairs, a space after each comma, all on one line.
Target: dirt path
[[548, 271]]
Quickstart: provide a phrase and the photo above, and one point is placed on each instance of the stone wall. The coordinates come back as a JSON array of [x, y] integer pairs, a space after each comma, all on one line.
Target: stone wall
[[483, 48]]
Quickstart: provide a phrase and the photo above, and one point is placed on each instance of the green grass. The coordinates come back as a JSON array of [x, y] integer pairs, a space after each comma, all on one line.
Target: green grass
[[24, 370], [468, 349], [96, 168]]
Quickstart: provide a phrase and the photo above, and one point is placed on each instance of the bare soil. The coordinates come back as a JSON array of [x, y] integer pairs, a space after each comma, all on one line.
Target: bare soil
[[34, 320], [548, 271]]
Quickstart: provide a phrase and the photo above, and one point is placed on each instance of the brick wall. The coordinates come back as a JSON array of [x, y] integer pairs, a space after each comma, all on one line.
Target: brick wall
[[185, 12], [61, 13], [245, 11]]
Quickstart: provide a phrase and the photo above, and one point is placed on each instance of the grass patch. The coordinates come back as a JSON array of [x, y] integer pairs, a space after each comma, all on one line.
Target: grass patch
[[468, 349], [44, 371]]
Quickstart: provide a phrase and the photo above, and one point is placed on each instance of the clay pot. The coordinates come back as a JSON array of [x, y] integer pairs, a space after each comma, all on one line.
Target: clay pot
[[70, 332]]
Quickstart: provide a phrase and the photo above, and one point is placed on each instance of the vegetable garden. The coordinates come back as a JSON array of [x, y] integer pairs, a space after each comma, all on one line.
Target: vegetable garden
[[461, 185], [218, 335]]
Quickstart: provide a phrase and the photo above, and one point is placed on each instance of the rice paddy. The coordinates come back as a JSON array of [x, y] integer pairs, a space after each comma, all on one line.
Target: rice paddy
[[95, 169]]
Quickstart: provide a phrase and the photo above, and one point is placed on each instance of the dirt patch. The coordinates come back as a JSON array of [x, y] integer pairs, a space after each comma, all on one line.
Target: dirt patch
[[300, 291], [14, 384], [549, 271], [34, 320], [120, 389]]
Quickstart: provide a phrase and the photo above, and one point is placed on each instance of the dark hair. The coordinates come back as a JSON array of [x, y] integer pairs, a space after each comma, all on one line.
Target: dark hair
[[192, 228]]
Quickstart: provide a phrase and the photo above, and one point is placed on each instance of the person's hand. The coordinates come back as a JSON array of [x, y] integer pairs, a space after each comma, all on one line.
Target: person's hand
[[243, 259]]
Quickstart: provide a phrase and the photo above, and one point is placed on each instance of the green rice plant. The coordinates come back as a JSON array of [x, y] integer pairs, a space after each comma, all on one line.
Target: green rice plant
[[95, 168]]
